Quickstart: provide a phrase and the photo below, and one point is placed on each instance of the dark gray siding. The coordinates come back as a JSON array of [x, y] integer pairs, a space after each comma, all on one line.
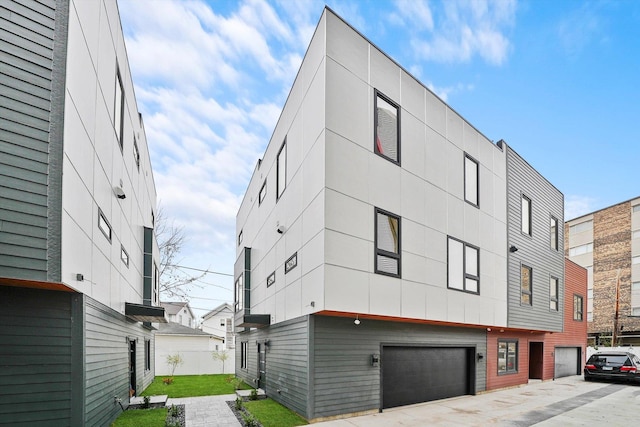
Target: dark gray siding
[[344, 380], [535, 250], [287, 362], [28, 141], [38, 362], [107, 361]]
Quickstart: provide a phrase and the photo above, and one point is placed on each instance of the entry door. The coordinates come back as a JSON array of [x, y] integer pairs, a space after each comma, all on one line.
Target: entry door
[[132, 368], [262, 366], [536, 355]]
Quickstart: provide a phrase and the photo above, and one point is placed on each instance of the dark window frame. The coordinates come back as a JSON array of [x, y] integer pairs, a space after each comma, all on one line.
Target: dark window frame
[[384, 253], [244, 347], [280, 187], [147, 355], [528, 232], [263, 193], [578, 308], [554, 282], [291, 263], [554, 238], [465, 275], [101, 218], [522, 290], [467, 157], [271, 279], [119, 125], [240, 238], [136, 153], [124, 256], [514, 369], [377, 94]]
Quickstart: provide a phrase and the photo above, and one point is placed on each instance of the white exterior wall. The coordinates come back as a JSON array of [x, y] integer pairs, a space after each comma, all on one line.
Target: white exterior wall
[[196, 352], [212, 325], [94, 163], [335, 181]]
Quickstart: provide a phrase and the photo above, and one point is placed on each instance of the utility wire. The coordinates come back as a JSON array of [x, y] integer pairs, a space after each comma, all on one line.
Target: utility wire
[[199, 269]]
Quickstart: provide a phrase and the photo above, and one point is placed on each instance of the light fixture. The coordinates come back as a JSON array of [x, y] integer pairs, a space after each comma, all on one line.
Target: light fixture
[[357, 321], [119, 192], [480, 356], [513, 249]]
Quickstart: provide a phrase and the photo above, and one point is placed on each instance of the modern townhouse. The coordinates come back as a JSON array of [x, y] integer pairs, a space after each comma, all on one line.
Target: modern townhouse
[[78, 282]]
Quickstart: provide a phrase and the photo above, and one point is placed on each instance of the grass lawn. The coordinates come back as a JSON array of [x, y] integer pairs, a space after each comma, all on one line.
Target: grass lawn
[[272, 414], [141, 417], [192, 385]]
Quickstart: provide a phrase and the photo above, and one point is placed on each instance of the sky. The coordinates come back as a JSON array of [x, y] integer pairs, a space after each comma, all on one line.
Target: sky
[[557, 80]]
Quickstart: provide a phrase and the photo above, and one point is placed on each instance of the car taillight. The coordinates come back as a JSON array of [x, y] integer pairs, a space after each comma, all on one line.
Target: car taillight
[[631, 369], [590, 367]]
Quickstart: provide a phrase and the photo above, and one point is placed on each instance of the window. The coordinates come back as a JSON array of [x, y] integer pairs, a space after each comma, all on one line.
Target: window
[[525, 285], [124, 256], [553, 232], [636, 208], [635, 299], [387, 128], [553, 294], [281, 170], [240, 238], [118, 111], [223, 322], [463, 261], [291, 263], [239, 294], [507, 357], [471, 180], [583, 226], [136, 153], [577, 307], [580, 250], [387, 243], [263, 192], [271, 279], [104, 225], [526, 215], [244, 346], [156, 285], [153, 219], [147, 355]]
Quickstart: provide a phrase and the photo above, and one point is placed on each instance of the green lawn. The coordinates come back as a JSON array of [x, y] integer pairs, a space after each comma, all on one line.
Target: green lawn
[[192, 385], [272, 414], [141, 417]]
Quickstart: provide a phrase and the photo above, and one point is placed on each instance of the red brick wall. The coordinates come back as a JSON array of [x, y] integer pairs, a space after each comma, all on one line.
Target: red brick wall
[[494, 380]]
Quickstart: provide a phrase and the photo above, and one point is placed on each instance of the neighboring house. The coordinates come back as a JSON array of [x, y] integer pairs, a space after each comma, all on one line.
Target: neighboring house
[[78, 283], [180, 313], [219, 321], [381, 237], [607, 244], [194, 346]]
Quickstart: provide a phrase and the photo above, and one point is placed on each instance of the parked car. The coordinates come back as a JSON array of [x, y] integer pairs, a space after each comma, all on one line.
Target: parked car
[[613, 365]]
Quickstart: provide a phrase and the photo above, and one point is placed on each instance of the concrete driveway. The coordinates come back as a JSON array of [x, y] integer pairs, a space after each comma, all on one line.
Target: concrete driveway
[[568, 401]]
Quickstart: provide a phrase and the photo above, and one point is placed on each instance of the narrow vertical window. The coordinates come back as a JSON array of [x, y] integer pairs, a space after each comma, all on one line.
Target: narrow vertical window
[[136, 154], [463, 261], [239, 294], [471, 180], [577, 308], [263, 193], [525, 285], [553, 294], [104, 225], [240, 238], [553, 232], [387, 243], [243, 354], [281, 170], [147, 355], [118, 110], [156, 285], [387, 128], [124, 256], [526, 215]]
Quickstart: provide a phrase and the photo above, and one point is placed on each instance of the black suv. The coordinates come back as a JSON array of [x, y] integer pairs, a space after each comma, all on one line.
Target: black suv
[[613, 365]]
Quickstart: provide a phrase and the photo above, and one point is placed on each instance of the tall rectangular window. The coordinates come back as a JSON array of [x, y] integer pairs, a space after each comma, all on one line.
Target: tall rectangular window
[[507, 357], [244, 347], [387, 241], [526, 285], [147, 355], [471, 180], [553, 294], [526, 215], [281, 170], [156, 285], [118, 110], [124, 256], [239, 294], [104, 225], [387, 128], [263, 193], [136, 154], [577, 307], [635, 299], [463, 264], [553, 232]]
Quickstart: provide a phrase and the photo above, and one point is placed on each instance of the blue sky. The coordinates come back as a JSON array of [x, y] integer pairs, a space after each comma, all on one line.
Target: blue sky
[[557, 80]]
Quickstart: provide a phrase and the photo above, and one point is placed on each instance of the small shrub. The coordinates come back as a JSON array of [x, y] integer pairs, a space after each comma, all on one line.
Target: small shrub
[[249, 420], [254, 394], [172, 423], [173, 411], [239, 403], [168, 380], [146, 401], [234, 381]]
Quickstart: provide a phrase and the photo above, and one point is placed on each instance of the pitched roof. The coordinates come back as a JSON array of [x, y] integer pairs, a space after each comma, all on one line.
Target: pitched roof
[[178, 329], [173, 307], [218, 310]]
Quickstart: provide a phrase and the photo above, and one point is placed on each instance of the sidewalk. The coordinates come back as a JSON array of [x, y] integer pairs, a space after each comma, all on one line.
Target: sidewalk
[[207, 411]]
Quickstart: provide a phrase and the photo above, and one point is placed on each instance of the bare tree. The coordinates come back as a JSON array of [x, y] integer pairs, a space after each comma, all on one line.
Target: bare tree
[[221, 356], [174, 283]]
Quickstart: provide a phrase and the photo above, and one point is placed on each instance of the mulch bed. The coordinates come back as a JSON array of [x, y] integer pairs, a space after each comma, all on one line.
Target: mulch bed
[[179, 419], [238, 414]]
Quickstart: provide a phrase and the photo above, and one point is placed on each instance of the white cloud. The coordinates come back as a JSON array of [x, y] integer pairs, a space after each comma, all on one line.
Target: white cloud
[[580, 28], [576, 206]]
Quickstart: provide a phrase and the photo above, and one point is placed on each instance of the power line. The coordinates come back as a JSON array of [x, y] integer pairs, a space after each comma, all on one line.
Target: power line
[[209, 299], [199, 269], [226, 288]]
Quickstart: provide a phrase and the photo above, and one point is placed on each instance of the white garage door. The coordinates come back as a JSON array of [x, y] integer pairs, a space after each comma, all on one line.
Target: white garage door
[[567, 361]]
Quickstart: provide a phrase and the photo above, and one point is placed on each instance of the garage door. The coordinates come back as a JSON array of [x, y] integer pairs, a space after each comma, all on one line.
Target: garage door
[[420, 374], [567, 361]]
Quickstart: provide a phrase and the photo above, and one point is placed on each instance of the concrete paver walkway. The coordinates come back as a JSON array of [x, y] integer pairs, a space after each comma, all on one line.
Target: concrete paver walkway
[[207, 411]]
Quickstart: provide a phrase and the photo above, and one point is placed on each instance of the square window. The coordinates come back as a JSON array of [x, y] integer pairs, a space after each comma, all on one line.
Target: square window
[[387, 242], [104, 225], [526, 285], [463, 261], [263, 193], [526, 215], [553, 294], [124, 256], [281, 170], [387, 128], [290, 264], [471, 180], [553, 232], [118, 110], [507, 357], [577, 307], [271, 279]]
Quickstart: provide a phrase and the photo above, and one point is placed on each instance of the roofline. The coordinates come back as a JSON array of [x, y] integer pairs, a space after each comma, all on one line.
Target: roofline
[[602, 209]]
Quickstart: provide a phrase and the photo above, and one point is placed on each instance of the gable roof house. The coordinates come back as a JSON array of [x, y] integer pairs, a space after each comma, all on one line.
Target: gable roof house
[[219, 321], [78, 282], [373, 242], [179, 312]]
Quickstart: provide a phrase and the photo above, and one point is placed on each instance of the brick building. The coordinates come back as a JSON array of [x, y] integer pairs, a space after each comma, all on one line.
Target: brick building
[[607, 244]]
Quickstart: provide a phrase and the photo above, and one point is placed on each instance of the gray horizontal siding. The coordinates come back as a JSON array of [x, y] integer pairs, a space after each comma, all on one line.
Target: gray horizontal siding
[[36, 357], [344, 380], [534, 251], [27, 58]]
